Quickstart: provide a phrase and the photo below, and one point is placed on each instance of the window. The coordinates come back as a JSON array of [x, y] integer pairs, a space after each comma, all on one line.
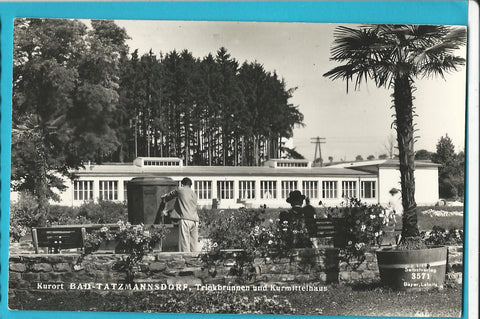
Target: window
[[287, 187], [125, 191], [349, 189], [246, 189], [368, 189], [225, 189], [310, 189], [83, 190], [161, 163], [108, 190], [329, 189], [292, 164], [268, 189], [203, 189]]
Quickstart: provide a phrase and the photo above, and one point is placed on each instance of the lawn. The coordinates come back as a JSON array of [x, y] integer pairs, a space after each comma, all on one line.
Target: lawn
[[366, 300]]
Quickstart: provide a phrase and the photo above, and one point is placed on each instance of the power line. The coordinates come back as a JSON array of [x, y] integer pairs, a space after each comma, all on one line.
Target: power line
[[318, 141]]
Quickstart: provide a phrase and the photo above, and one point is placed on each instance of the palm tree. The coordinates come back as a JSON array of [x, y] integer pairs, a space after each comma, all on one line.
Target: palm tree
[[393, 56]]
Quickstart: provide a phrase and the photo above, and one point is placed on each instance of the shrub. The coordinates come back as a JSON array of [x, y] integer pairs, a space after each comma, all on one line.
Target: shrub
[[17, 232], [103, 212], [133, 240], [240, 236], [279, 240], [65, 215], [364, 228], [24, 210], [23, 215], [441, 236], [232, 230]]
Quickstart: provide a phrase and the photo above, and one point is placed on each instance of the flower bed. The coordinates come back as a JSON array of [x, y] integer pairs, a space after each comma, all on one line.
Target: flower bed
[[441, 213]]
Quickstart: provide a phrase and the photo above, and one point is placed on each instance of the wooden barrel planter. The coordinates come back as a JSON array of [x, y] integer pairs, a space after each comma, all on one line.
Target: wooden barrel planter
[[419, 269]]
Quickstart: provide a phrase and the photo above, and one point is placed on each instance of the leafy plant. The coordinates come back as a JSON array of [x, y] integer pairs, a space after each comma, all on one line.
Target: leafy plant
[[23, 215], [280, 240], [238, 237], [135, 241], [232, 230], [103, 212], [364, 228], [17, 231], [441, 236]]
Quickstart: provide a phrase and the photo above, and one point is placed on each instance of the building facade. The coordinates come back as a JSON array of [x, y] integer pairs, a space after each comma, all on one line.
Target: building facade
[[270, 184]]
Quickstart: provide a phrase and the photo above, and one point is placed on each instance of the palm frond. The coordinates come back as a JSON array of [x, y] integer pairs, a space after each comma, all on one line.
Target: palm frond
[[446, 64], [357, 44], [441, 53], [457, 35], [365, 53], [383, 52]]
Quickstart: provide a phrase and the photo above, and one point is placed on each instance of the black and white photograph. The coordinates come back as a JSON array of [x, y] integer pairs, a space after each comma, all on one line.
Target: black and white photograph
[[237, 167]]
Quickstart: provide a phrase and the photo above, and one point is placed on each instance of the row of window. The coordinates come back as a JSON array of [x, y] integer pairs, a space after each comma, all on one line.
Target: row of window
[[161, 163], [291, 164], [108, 190]]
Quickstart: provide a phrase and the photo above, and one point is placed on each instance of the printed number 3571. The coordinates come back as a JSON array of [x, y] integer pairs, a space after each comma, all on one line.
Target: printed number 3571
[[420, 275]]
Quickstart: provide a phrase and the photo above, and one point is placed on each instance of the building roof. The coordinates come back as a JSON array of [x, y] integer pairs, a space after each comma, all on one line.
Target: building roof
[[132, 170], [375, 165]]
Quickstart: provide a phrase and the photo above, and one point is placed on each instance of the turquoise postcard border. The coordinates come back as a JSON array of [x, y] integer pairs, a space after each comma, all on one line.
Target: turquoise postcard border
[[408, 12]]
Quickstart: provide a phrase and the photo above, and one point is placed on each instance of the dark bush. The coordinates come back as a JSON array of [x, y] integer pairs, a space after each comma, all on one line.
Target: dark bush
[[64, 215], [89, 213], [103, 212], [24, 211]]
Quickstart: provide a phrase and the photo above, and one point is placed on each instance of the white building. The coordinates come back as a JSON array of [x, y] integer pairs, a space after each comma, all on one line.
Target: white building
[[270, 184], [388, 176]]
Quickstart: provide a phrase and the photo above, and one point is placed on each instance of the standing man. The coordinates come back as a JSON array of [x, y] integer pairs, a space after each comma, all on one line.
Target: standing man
[[394, 206], [186, 208]]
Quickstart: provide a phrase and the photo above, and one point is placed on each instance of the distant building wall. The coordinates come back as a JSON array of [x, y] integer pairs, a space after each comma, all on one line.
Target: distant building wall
[[234, 187], [426, 184], [207, 189]]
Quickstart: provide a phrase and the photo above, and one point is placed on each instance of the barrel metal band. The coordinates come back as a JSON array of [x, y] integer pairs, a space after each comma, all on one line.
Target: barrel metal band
[[432, 264]]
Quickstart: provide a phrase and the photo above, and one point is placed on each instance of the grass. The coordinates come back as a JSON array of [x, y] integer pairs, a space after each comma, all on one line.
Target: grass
[[364, 300], [427, 222]]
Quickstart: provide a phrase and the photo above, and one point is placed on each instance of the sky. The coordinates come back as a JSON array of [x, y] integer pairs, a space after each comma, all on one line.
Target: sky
[[357, 123]]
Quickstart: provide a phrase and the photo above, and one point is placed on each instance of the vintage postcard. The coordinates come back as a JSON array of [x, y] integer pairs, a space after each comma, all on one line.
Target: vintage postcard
[[231, 167]]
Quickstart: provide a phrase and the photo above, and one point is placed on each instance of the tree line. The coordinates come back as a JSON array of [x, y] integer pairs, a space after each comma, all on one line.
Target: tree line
[[207, 111], [80, 96]]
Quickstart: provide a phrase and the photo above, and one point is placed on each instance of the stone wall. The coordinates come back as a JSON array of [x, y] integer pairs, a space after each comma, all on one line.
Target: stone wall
[[315, 266], [352, 272], [368, 270], [455, 264]]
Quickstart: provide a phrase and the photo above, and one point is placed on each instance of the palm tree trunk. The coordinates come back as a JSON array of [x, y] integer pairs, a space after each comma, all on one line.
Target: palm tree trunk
[[404, 121]]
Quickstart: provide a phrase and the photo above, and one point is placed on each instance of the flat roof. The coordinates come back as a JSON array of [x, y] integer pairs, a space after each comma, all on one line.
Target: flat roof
[[390, 162], [125, 169]]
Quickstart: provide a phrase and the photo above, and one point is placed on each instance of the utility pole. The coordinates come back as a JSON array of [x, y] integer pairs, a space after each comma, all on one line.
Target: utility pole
[[318, 141]]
